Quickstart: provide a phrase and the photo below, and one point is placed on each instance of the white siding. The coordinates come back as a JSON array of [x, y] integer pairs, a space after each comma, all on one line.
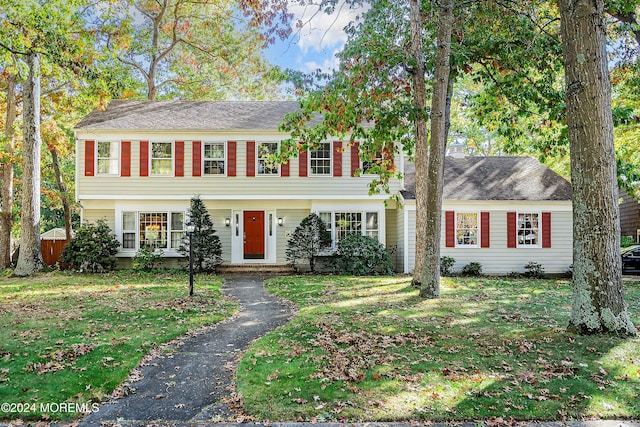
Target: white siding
[[498, 259], [292, 219]]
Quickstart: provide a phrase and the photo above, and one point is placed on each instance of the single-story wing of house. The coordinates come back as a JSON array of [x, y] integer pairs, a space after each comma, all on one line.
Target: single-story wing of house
[[140, 162]]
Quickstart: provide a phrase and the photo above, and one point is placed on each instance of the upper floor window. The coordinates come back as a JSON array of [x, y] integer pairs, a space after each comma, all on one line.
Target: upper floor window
[[107, 157], [266, 166], [467, 229], [528, 229], [367, 166], [320, 161], [214, 158], [161, 158]]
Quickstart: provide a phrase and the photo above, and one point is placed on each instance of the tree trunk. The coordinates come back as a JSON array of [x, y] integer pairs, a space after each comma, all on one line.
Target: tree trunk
[[63, 193], [430, 275], [30, 258], [6, 176], [420, 129], [598, 303]]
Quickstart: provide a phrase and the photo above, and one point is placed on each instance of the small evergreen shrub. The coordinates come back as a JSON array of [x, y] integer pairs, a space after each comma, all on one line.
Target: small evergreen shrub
[[472, 269], [93, 248], [147, 259], [626, 241], [446, 265], [360, 255], [308, 240], [534, 270], [207, 249]]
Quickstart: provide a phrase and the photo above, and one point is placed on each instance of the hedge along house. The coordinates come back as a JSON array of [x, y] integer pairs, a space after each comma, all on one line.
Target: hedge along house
[[140, 162]]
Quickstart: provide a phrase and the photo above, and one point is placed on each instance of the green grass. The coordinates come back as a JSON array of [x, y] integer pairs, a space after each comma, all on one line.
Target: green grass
[[370, 349], [72, 338]]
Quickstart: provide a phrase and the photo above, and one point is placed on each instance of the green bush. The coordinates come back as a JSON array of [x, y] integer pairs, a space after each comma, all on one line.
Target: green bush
[[207, 249], [93, 248], [308, 240], [472, 269], [446, 265], [626, 241], [534, 270], [360, 255], [147, 259]]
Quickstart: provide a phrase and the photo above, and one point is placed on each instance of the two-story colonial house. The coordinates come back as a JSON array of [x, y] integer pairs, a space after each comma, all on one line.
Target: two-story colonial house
[[140, 162]]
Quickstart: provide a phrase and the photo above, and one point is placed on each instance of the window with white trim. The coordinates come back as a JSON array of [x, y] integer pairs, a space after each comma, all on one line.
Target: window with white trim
[[341, 224], [320, 159], [107, 158], [161, 158], [367, 166], [154, 230], [214, 158], [467, 229], [528, 227], [266, 166]]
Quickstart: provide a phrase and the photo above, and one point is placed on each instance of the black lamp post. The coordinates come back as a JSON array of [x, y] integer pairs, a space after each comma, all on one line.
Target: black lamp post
[[190, 229]]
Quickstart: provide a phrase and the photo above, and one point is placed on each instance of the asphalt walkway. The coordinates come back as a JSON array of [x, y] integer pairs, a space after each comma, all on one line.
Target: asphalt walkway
[[186, 384]]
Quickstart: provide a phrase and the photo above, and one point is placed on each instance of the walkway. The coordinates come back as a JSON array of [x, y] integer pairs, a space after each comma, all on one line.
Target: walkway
[[188, 383]]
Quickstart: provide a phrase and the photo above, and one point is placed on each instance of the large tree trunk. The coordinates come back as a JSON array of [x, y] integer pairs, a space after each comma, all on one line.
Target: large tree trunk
[[30, 258], [6, 176], [66, 209], [598, 303], [420, 129], [430, 277]]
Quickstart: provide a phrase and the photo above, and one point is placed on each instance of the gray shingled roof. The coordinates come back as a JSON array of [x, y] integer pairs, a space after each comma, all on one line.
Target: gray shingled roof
[[192, 115], [495, 178]]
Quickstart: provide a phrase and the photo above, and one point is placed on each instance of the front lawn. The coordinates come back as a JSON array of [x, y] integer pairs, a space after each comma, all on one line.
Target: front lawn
[[72, 339], [370, 349]]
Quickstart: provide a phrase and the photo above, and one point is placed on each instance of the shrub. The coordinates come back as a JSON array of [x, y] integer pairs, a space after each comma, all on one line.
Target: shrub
[[308, 241], [472, 269], [626, 241], [207, 249], [360, 255], [534, 270], [93, 248], [147, 259], [446, 265]]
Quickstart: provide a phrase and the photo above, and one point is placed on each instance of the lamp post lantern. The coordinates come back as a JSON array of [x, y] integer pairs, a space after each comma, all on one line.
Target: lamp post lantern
[[190, 229]]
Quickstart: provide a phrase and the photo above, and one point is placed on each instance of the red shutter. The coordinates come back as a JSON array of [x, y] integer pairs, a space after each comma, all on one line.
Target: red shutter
[[450, 227], [484, 229], [196, 158], [251, 158], [284, 169], [511, 229], [546, 229], [303, 163], [125, 158], [144, 158], [89, 160], [389, 155], [337, 158], [355, 158], [231, 158], [179, 158]]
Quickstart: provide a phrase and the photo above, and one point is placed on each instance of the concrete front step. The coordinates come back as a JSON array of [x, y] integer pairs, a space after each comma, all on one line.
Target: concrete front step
[[254, 268]]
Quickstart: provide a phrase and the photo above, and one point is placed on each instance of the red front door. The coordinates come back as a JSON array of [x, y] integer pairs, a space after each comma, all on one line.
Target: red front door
[[254, 235]]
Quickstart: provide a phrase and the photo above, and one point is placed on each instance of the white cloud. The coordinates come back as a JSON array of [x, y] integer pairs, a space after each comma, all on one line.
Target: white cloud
[[321, 31]]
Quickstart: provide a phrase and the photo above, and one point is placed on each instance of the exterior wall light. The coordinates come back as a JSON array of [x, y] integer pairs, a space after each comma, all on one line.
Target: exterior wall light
[[280, 221], [227, 222]]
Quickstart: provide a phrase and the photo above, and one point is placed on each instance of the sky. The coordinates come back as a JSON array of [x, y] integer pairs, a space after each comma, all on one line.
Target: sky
[[315, 45]]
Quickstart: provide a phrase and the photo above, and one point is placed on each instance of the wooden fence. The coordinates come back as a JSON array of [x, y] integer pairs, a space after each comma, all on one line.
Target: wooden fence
[[52, 250]]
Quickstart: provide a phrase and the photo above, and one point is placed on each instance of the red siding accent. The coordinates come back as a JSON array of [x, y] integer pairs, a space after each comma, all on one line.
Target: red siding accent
[[511, 229], [284, 168], [337, 158], [196, 158], [125, 158], [89, 157], [179, 158], [303, 163], [355, 158], [251, 158], [546, 229], [484, 230], [144, 158], [450, 229], [231, 158]]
